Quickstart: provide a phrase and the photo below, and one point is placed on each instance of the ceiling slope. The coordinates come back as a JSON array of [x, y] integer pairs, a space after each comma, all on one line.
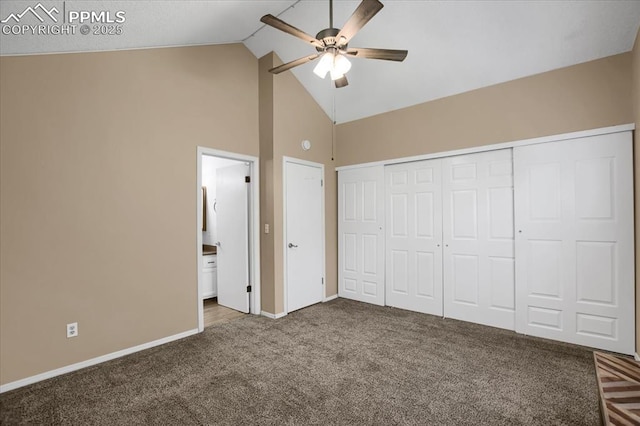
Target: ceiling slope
[[454, 46]]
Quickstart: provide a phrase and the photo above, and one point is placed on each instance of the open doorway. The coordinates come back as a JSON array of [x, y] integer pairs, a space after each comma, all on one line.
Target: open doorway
[[228, 238]]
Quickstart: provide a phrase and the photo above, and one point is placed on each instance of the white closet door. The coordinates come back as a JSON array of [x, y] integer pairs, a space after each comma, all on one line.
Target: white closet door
[[574, 241], [360, 234], [479, 270], [414, 236]]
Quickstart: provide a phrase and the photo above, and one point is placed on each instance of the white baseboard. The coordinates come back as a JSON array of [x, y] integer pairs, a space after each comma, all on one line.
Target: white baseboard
[[636, 356], [330, 298], [93, 361], [272, 316]]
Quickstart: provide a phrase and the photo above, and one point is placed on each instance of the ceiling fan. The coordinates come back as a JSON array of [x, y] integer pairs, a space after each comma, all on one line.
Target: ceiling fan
[[332, 44]]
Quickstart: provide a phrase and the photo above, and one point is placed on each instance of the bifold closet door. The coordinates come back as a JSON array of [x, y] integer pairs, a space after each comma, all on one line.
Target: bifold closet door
[[478, 236], [360, 234], [414, 236], [574, 241]]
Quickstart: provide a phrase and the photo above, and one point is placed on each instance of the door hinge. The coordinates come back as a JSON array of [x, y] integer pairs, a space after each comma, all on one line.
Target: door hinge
[[247, 179], [248, 289], [321, 182], [322, 280]]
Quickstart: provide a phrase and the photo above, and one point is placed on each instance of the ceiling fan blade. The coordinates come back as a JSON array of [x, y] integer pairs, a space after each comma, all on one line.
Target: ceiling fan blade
[[341, 82], [363, 14], [384, 54], [289, 29], [289, 65]]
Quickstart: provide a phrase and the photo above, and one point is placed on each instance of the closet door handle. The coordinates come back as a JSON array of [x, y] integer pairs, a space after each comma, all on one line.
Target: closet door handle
[[291, 245]]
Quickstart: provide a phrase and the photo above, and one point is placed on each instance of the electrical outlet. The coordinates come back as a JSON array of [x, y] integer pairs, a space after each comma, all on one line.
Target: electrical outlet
[[266, 228], [72, 329]]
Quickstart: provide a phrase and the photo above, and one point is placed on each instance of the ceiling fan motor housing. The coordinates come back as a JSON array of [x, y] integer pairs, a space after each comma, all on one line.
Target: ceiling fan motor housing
[[328, 38]]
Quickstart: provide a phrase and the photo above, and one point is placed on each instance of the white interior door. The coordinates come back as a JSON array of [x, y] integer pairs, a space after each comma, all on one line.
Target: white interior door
[[233, 236], [574, 241], [414, 236], [304, 250], [479, 266], [360, 234]]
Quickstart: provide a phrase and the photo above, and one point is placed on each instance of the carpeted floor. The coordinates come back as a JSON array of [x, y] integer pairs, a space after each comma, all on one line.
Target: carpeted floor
[[341, 362]]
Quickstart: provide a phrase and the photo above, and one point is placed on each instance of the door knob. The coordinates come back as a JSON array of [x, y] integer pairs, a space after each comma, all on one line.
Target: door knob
[[217, 244], [291, 245]]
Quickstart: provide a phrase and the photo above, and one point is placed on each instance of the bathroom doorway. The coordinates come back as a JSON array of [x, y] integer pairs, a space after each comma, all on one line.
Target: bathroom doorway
[[228, 236]]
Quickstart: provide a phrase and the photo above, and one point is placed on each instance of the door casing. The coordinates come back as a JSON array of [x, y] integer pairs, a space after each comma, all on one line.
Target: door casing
[[254, 227]]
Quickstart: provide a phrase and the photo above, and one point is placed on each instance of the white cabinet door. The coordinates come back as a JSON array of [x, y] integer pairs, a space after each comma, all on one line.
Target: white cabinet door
[[479, 270], [304, 226], [574, 241], [360, 234], [414, 236], [207, 283]]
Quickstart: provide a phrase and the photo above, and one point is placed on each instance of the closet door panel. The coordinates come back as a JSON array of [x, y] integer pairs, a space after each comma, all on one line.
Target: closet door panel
[[413, 237], [361, 237], [479, 275], [574, 216]]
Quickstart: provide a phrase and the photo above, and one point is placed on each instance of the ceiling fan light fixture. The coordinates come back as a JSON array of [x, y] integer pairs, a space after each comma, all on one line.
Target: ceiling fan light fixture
[[332, 43], [341, 64], [324, 65], [335, 74], [336, 64]]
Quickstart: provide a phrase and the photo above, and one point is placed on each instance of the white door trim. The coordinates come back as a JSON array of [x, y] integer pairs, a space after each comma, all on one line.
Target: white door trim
[[254, 226], [286, 160], [483, 148]]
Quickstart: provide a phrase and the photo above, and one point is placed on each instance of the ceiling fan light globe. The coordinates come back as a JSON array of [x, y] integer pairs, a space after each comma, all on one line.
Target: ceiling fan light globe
[[335, 74], [320, 71], [341, 64], [324, 65]]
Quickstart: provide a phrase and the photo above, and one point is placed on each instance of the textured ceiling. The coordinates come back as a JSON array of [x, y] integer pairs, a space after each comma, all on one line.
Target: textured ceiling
[[454, 46]]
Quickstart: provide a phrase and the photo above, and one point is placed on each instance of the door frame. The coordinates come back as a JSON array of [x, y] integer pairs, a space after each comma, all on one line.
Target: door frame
[[254, 226], [285, 161]]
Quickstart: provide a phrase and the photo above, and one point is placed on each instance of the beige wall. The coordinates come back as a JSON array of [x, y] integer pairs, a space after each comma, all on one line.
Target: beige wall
[[98, 197], [586, 96], [267, 256], [296, 117], [636, 153]]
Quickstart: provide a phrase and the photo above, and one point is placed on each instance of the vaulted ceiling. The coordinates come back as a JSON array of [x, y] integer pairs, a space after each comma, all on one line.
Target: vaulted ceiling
[[454, 46]]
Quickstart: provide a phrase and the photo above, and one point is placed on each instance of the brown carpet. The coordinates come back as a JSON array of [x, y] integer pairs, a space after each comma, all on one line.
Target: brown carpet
[[341, 362], [619, 385]]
